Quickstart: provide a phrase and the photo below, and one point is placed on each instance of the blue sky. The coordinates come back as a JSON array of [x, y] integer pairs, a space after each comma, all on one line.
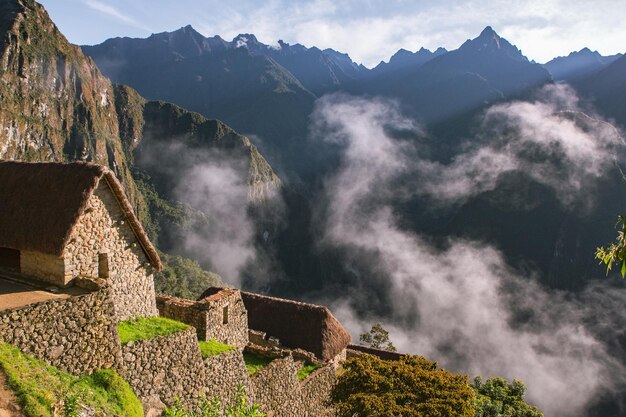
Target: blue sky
[[369, 30]]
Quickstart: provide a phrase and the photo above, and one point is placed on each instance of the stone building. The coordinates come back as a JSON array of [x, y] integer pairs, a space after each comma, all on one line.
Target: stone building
[[220, 315], [297, 325], [63, 221]]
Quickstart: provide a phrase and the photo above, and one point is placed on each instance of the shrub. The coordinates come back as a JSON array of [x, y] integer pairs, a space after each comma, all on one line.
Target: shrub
[[497, 398], [411, 386], [212, 408]]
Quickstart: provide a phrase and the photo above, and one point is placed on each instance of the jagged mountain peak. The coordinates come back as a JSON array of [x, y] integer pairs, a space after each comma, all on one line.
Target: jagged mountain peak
[[489, 42], [246, 40]]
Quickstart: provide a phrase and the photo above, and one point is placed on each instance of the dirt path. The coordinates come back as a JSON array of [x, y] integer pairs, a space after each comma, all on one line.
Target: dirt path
[[8, 402]]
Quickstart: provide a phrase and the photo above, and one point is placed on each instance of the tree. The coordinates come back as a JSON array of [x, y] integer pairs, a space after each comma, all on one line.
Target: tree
[[412, 386], [616, 252], [497, 398], [378, 338]]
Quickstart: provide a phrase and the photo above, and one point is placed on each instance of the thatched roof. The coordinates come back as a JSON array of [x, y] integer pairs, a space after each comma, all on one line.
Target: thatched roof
[[40, 202], [297, 325]]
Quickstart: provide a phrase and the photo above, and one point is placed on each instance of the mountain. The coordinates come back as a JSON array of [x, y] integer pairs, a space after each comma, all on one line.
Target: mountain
[[318, 71], [483, 70], [578, 64], [406, 59], [606, 90], [218, 79], [56, 105]]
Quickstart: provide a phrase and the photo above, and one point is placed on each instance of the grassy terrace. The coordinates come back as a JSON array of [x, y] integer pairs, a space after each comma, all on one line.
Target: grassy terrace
[[255, 363], [148, 327], [40, 388], [306, 371], [213, 348]]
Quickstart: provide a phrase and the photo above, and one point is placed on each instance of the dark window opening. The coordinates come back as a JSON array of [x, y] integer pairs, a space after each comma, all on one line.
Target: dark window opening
[[103, 265], [9, 258], [225, 315]]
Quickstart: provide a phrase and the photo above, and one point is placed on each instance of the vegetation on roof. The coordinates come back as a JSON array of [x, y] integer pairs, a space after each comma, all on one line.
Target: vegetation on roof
[[307, 370], [148, 327], [213, 348], [254, 363], [45, 391]]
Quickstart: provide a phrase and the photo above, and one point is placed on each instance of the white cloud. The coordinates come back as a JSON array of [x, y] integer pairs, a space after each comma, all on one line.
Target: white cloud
[[461, 304], [376, 30], [115, 13]]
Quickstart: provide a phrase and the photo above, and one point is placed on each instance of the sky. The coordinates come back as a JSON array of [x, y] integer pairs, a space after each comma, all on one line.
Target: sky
[[368, 30]]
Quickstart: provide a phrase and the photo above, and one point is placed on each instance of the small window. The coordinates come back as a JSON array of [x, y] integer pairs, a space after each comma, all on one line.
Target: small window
[[103, 265], [225, 315]]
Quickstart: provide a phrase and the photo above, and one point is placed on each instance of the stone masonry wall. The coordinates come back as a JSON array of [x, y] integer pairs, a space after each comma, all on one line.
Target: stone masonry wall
[[277, 389], [224, 373], [168, 367], [209, 316], [46, 267], [227, 318], [315, 392], [101, 230], [77, 335], [183, 310]]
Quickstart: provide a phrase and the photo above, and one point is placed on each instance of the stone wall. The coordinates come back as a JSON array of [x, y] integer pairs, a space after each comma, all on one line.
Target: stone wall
[[315, 392], [224, 373], [281, 394], [221, 316], [46, 267], [227, 318], [77, 335], [168, 367], [357, 350], [102, 235], [183, 310], [277, 389]]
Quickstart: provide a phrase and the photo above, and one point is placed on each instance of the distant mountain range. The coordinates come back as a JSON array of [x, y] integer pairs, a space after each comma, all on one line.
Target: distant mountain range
[[578, 64], [66, 109], [269, 91]]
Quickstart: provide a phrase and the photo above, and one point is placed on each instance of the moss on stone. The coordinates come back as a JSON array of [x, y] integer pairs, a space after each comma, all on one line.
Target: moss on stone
[[255, 363], [148, 327], [213, 348], [41, 389], [307, 370]]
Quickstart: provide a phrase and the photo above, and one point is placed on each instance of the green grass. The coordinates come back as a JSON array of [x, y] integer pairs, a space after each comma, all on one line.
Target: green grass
[[40, 388], [255, 363], [146, 328], [306, 371], [213, 347]]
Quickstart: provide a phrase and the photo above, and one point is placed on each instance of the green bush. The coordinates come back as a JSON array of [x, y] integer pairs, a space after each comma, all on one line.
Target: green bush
[[411, 386], [213, 408], [45, 391], [497, 398], [148, 327]]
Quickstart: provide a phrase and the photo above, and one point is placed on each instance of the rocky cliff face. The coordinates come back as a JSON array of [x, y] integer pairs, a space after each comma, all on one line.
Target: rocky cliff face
[[56, 105]]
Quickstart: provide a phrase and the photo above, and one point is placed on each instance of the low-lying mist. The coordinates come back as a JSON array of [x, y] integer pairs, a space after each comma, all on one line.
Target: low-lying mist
[[226, 228], [461, 304]]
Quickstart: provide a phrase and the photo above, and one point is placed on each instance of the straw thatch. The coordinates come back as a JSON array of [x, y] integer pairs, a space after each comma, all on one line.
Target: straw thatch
[[296, 324], [40, 202]]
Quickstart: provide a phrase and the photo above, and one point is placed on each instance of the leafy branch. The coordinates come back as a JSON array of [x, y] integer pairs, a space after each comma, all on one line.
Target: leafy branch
[[616, 252]]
